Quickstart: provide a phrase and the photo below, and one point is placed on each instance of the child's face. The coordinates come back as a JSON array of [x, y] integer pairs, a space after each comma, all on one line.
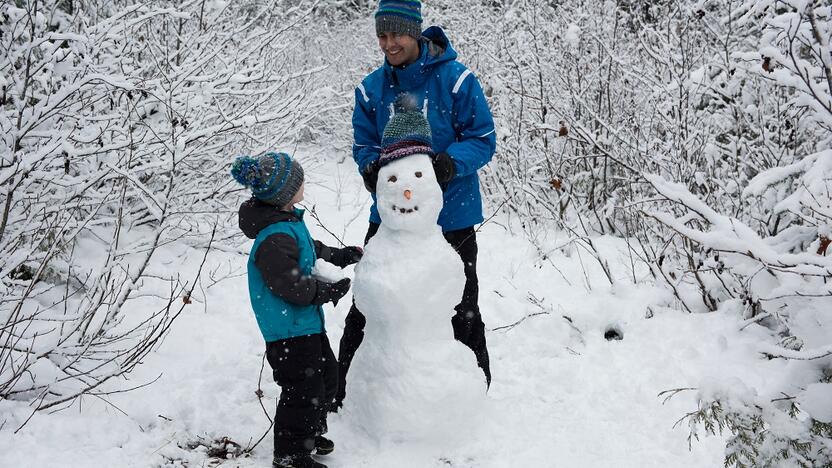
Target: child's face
[[297, 198]]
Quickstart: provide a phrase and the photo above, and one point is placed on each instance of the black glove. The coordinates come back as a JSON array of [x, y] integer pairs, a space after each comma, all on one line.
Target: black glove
[[346, 256], [331, 292], [443, 166], [370, 175]]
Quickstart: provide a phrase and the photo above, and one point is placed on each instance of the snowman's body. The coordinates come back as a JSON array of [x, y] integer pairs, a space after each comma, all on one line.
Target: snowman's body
[[411, 379]]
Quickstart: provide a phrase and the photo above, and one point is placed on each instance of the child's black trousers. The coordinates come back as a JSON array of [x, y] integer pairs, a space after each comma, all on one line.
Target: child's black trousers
[[307, 372]]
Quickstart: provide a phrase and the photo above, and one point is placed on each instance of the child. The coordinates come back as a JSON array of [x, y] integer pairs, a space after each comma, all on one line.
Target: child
[[287, 303]]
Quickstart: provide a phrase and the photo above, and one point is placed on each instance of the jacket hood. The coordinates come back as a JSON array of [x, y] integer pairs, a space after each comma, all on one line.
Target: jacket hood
[[256, 216], [439, 46], [435, 49]]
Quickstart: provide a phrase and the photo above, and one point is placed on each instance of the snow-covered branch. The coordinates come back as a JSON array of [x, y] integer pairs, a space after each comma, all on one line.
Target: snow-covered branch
[[116, 142]]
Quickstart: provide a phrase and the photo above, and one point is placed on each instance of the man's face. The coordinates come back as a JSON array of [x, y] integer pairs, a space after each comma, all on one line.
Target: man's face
[[400, 49]]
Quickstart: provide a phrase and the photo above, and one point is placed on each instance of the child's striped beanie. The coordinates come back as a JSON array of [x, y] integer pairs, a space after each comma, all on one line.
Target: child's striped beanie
[[273, 178]]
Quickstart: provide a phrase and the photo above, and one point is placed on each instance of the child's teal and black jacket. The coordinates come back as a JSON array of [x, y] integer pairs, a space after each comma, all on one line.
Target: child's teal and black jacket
[[286, 298]]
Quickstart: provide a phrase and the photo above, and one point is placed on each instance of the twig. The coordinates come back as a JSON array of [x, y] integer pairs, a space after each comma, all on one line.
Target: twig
[[259, 394], [672, 393], [512, 325], [778, 352], [42, 397], [754, 320], [259, 391], [317, 218]]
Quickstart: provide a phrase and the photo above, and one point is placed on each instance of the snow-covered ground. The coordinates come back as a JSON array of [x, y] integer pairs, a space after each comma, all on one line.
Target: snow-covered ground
[[562, 395]]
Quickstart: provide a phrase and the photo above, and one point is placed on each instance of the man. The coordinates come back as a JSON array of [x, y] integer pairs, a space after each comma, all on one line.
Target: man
[[424, 65]]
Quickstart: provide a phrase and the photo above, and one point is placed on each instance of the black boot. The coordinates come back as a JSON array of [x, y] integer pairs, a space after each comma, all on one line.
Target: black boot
[[470, 331], [323, 446], [301, 460]]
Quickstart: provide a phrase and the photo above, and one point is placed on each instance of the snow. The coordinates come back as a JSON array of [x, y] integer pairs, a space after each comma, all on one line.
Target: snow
[[817, 401], [573, 35], [327, 271], [561, 396], [766, 179]]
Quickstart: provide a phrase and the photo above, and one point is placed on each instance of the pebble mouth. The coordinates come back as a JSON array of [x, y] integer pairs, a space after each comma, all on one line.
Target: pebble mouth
[[405, 210]]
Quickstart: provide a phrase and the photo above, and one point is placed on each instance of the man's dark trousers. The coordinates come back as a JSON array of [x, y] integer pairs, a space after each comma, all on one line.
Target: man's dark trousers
[[467, 322], [306, 370]]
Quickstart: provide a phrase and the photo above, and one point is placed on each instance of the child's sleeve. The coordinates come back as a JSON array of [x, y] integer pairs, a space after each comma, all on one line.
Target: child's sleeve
[[277, 259]]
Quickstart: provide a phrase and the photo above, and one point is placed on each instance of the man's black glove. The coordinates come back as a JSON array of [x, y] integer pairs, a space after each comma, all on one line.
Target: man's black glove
[[444, 168], [346, 256], [331, 292], [370, 175]]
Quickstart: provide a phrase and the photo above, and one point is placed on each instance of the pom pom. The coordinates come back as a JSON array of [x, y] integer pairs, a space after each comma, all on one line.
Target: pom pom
[[406, 102], [246, 171]]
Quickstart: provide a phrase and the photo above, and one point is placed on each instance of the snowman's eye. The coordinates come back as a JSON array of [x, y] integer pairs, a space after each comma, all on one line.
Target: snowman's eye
[[392, 179], [418, 174]]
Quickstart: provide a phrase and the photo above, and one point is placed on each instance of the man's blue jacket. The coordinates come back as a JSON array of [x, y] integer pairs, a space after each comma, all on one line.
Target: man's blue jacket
[[456, 109]]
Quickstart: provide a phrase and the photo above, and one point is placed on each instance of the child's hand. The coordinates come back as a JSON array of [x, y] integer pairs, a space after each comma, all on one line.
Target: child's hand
[[331, 292], [347, 256]]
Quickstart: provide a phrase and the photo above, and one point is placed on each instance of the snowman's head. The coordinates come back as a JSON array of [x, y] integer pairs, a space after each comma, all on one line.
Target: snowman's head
[[408, 196]]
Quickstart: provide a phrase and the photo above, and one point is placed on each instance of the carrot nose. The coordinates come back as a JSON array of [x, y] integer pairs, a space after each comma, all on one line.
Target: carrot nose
[[407, 194]]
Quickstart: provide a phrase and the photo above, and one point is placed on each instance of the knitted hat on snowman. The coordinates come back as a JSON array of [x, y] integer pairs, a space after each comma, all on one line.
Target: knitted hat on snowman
[[273, 178], [406, 133]]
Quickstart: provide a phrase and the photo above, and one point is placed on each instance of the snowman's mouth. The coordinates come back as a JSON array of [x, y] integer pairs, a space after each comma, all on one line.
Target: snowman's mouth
[[405, 210]]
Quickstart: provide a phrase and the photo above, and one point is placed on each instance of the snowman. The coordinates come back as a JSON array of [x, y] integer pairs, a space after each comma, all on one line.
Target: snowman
[[411, 381]]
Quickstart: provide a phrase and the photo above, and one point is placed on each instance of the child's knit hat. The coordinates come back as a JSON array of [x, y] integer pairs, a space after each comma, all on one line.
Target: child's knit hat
[[273, 178], [399, 16], [406, 133]]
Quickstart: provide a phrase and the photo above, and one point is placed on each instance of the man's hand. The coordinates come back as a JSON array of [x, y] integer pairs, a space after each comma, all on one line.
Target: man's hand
[[331, 292], [370, 175], [443, 166]]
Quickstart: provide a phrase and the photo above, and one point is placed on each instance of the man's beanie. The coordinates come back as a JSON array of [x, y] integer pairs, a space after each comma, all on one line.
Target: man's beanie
[[273, 178], [406, 133], [399, 16]]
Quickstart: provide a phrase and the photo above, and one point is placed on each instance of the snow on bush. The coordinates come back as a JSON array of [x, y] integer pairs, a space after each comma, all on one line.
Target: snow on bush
[[118, 123]]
